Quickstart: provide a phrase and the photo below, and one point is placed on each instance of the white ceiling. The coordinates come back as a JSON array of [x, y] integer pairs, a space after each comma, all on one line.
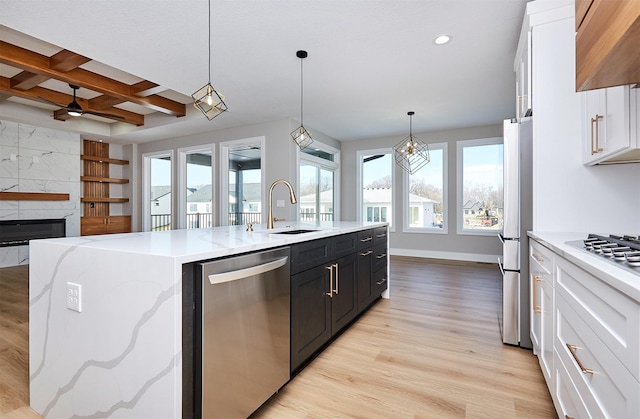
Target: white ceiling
[[370, 61]]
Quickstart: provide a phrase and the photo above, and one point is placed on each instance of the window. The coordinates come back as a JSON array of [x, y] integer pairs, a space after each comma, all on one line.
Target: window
[[480, 192], [376, 185], [317, 175], [241, 186], [157, 191], [425, 194], [196, 187]]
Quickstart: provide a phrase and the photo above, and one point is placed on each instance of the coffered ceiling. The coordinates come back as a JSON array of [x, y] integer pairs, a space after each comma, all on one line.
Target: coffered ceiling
[[370, 61]]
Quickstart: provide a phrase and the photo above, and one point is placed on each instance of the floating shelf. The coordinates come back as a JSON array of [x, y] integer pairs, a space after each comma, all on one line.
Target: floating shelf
[[103, 179], [33, 196], [97, 199], [103, 159]]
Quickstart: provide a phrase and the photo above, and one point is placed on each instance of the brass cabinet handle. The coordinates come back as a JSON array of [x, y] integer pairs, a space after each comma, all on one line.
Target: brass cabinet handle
[[536, 308], [381, 235], [368, 239], [336, 288], [573, 349], [367, 253], [381, 282], [382, 256], [595, 148], [567, 417], [330, 293]]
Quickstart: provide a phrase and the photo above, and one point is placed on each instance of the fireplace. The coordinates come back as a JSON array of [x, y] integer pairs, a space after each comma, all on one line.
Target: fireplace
[[19, 232]]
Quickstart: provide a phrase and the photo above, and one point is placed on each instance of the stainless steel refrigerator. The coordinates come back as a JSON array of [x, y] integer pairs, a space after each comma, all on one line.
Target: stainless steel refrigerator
[[518, 219]]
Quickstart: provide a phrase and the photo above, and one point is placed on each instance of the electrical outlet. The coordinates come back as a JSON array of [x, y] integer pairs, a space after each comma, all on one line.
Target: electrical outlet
[[280, 203], [36, 159], [13, 157], [74, 297]]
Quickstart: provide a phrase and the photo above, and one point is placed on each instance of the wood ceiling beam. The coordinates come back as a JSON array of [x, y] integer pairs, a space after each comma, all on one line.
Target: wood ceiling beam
[[66, 60], [146, 88], [104, 102], [24, 59], [26, 80], [40, 93]]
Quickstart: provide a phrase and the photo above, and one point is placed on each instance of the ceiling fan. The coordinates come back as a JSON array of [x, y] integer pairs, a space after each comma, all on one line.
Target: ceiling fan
[[74, 108]]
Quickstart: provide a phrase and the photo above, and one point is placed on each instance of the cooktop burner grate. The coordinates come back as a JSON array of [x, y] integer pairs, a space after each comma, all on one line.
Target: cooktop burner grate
[[623, 251]]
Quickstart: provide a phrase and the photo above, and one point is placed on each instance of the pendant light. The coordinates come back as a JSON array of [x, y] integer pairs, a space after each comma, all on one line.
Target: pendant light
[[207, 99], [300, 135], [411, 154]]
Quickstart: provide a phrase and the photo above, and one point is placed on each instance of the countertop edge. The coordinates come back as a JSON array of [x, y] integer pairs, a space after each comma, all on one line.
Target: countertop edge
[[618, 278]]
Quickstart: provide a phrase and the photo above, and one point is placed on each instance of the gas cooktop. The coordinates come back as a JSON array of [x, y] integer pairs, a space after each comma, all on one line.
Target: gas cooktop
[[623, 251]]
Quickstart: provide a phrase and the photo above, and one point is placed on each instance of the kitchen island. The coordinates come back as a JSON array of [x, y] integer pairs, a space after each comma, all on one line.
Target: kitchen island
[[121, 354]]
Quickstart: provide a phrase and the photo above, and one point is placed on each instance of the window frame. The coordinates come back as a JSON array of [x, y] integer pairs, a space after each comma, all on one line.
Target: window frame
[[146, 186], [406, 228], [182, 180], [460, 145], [360, 155], [223, 214], [321, 163]]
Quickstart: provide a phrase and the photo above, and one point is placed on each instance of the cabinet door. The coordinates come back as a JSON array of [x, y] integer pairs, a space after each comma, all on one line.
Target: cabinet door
[[310, 313], [365, 283], [309, 254], [119, 224], [606, 124], [90, 226], [343, 302]]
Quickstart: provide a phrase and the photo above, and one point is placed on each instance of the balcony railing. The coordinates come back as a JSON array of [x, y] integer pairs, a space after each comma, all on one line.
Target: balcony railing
[[161, 222], [311, 216]]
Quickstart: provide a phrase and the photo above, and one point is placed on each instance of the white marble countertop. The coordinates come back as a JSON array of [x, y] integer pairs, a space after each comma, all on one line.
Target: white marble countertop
[[608, 271], [191, 245]]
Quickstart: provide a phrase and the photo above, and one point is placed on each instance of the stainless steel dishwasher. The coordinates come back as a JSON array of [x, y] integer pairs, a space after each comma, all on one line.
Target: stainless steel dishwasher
[[245, 332]]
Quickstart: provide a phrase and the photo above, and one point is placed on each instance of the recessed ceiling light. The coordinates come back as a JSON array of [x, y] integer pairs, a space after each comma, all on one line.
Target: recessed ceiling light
[[441, 39]]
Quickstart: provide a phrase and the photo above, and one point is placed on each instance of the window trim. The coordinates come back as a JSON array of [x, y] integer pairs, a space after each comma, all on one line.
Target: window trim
[[460, 145], [360, 154], [182, 180], [326, 165], [406, 228], [223, 214], [146, 186]]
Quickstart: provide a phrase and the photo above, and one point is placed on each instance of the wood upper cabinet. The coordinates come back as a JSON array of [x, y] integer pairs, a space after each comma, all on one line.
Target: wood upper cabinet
[[607, 43]]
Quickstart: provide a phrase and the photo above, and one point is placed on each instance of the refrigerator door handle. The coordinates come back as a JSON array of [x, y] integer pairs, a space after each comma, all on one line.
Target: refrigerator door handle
[[500, 265]]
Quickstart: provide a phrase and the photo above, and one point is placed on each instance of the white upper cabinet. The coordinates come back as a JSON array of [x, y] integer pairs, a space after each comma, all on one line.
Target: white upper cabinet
[[522, 68], [609, 126]]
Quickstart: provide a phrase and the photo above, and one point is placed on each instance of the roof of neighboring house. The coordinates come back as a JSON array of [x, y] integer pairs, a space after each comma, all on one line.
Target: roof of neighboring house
[[472, 205], [201, 195], [158, 191], [252, 192]]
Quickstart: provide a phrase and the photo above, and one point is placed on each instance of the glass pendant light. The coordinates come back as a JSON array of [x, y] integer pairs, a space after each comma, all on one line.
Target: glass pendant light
[[207, 99], [300, 135], [411, 154]]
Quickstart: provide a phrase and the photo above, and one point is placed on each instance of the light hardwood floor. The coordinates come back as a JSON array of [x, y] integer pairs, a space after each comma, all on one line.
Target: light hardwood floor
[[432, 351]]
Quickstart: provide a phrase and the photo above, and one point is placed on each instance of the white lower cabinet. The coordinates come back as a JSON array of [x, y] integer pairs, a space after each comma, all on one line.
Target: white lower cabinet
[[589, 352]]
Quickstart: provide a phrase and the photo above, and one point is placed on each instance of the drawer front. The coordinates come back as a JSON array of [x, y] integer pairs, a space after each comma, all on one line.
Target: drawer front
[[542, 256], [380, 281], [380, 256], [380, 235], [607, 388], [567, 398], [344, 244], [365, 239], [613, 316], [309, 254]]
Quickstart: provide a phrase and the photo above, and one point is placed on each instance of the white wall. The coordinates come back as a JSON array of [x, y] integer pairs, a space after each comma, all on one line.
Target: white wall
[[568, 196], [56, 170], [445, 246]]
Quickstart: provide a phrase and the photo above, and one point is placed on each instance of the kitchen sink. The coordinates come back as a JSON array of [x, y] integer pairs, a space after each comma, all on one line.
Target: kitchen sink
[[298, 231]]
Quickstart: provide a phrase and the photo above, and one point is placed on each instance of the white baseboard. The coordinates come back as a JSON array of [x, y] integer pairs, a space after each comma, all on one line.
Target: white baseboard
[[432, 254]]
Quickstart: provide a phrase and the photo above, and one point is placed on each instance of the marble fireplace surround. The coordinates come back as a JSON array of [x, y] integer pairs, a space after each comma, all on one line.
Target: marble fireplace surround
[[38, 160]]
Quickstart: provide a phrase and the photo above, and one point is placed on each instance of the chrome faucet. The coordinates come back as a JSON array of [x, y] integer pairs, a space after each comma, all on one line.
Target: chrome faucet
[[292, 197]]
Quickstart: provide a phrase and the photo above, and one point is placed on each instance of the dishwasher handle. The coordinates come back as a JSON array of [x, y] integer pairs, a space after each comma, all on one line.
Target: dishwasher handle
[[246, 272]]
